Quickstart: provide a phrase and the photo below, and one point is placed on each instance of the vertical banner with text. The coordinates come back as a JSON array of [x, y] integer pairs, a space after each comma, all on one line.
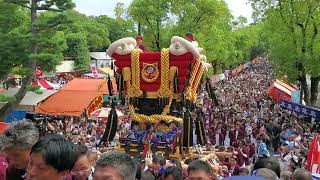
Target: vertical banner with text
[[94, 71]]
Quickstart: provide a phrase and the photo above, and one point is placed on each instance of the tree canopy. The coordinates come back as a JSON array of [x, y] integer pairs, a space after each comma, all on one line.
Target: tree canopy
[[209, 20], [292, 38]]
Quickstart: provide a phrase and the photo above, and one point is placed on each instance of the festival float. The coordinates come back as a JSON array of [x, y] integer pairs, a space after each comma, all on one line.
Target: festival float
[[160, 89]]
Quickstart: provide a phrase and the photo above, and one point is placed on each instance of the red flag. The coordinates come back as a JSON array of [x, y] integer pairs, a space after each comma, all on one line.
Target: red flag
[[313, 156], [38, 73]]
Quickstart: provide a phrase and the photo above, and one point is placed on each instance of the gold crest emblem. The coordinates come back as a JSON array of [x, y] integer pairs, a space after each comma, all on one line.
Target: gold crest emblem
[[150, 72]]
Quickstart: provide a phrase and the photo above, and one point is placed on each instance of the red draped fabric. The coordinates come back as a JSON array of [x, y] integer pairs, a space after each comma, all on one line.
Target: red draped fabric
[[181, 62], [43, 83], [278, 94]]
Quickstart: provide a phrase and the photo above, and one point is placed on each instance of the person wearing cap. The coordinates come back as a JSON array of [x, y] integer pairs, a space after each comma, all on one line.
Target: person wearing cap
[[139, 43], [189, 37]]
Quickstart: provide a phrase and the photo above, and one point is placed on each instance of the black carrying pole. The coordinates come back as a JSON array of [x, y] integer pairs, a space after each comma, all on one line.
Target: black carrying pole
[[111, 126], [200, 130], [187, 129], [110, 88]]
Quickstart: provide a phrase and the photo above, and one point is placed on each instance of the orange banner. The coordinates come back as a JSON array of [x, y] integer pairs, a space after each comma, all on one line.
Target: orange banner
[[96, 104]]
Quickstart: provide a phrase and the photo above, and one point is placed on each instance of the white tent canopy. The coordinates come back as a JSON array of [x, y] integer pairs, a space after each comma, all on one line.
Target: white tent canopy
[[31, 99], [65, 66]]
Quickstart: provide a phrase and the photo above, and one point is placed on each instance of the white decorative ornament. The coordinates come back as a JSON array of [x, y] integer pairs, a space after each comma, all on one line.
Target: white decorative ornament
[[203, 59], [177, 49], [122, 46], [200, 50], [181, 46], [195, 44]]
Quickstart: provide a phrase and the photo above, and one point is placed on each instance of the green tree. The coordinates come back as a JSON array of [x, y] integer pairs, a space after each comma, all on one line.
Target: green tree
[[35, 54], [152, 15], [293, 40], [14, 38], [96, 33], [118, 27], [120, 11], [78, 50]]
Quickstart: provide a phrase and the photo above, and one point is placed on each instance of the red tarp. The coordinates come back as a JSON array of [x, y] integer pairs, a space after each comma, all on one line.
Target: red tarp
[[69, 103], [280, 91], [84, 85], [77, 84], [73, 98]]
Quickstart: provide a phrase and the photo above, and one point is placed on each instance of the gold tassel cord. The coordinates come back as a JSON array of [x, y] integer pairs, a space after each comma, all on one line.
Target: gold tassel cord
[[133, 90], [135, 68], [193, 97], [156, 118], [166, 109], [194, 70], [192, 78], [164, 86]]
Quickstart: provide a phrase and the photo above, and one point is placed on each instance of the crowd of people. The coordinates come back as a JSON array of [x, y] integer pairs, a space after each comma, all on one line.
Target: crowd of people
[[83, 131], [27, 155], [263, 140], [252, 125]]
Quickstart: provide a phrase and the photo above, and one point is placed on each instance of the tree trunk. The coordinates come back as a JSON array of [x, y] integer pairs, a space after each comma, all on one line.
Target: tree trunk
[[223, 67], [139, 29], [314, 89], [158, 37], [34, 47], [304, 86], [215, 66], [28, 78]]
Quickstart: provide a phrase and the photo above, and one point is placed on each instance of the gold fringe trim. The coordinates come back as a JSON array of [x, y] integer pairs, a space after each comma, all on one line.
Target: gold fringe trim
[[164, 86], [166, 90], [156, 118], [196, 75], [135, 68]]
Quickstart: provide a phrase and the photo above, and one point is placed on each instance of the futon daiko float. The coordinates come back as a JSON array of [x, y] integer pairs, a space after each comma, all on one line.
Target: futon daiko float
[[160, 89]]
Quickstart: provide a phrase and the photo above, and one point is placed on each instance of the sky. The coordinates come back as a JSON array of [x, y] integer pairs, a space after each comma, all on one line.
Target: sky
[[106, 7]]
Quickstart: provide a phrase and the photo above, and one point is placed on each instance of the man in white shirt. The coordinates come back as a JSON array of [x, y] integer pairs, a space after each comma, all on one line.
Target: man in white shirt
[[286, 158]]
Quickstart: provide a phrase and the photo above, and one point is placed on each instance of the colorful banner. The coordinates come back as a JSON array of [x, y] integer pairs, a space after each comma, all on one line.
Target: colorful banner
[[300, 109], [94, 71], [97, 103]]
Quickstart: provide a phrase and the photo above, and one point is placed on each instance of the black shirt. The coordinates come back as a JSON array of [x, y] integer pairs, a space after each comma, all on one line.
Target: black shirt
[[15, 174]]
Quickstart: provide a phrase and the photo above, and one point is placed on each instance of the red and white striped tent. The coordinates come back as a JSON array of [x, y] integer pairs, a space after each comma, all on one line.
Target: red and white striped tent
[[44, 84], [103, 113]]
